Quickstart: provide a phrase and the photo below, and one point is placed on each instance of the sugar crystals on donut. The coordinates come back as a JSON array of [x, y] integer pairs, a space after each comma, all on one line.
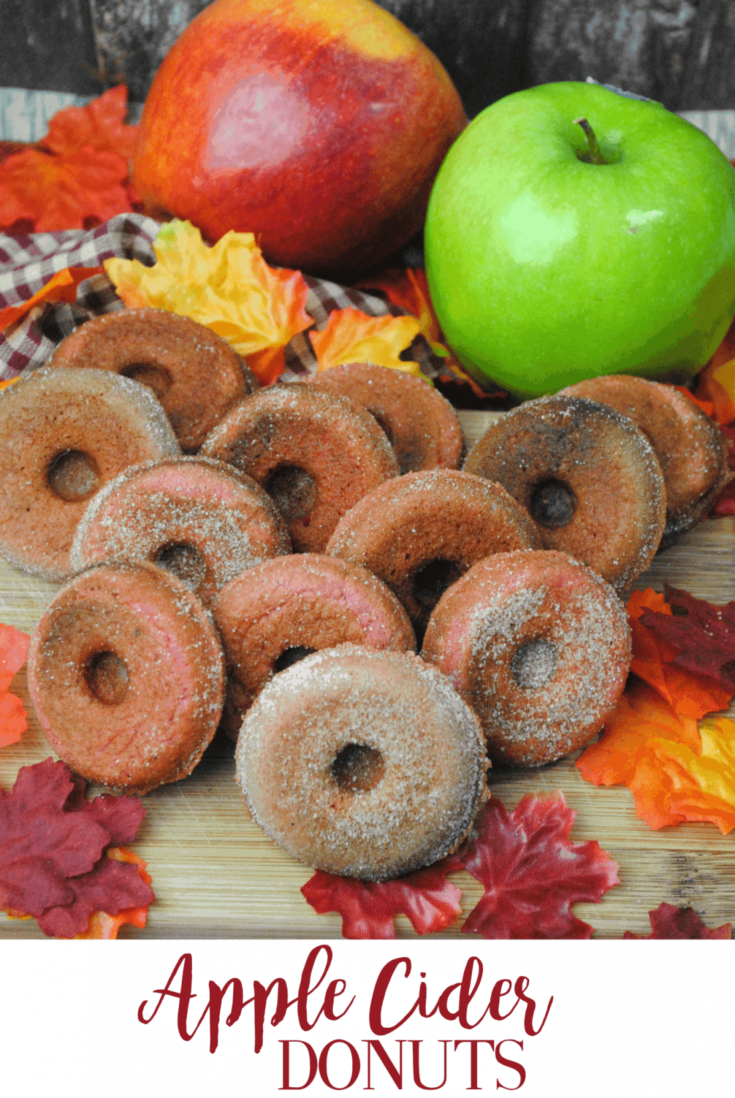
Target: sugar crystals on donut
[[587, 476], [194, 373], [363, 763], [539, 646], [290, 606], [421, 425], [64, 434], [315, 453], [200, 519], [126, 674], [690, 446], [419, 533]]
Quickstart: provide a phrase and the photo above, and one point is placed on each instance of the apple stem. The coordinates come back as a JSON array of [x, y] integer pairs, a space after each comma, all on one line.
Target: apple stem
[[594, 156]]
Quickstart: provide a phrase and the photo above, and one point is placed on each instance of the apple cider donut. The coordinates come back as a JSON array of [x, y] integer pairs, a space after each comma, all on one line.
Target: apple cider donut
[[690, 447], [276, 613], [195, 374], [127, 676], [63, 435], [362, 763], [421, 425], [420, 533], [315, 453], [539, 646], [198, 518], [587, 476]]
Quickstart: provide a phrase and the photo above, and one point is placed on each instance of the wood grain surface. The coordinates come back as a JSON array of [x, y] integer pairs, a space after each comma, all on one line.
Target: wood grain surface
[[216, 874]]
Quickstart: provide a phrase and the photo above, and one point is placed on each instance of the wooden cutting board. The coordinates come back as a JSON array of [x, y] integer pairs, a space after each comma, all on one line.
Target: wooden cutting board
[[216, 874]]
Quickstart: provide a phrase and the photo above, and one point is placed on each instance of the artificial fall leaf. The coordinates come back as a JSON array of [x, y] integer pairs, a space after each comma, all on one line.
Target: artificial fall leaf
[[13, 651], [716, 387], [430, 901], [676, 771], [102, 925], [408, 288], [689, 694], [98, 125], [228, 288], [702, 634], [52, 851], [77, 174], [668, 922], [8, 148], [352, 336], [532, 872], [61, 287]]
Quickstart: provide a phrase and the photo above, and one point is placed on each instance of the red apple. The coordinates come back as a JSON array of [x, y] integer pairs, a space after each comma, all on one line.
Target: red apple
[[318, 125]]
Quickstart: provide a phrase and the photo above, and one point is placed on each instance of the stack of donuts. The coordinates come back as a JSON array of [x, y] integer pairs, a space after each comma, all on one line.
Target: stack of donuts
[[265, 560]]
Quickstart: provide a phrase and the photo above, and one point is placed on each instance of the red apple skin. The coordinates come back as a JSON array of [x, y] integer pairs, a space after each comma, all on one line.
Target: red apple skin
[[318, 125]]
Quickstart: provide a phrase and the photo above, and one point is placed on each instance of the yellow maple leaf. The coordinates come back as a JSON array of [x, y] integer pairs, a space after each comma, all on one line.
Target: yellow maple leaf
[[353, 336], [228, 288]]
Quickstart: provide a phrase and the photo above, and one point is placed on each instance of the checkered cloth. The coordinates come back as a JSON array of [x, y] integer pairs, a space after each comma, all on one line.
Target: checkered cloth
[[28, 262]]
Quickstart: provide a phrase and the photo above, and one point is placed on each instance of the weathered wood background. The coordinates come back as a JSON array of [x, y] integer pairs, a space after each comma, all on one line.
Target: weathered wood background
[[677, 51]]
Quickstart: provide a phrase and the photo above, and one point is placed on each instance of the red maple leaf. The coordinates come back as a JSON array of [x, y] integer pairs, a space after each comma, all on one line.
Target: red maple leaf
[[52, 851], [430, 901], [77, 175], [668, 921], [532, 872], [703, 634], [111, 887], [13, 650]]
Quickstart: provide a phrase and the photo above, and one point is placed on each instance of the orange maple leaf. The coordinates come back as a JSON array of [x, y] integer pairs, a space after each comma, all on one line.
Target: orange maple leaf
[[408, 288], [77, 174], [675, 769], [13, 651], [61, 287], [228, 288], [102, 925], [352, 336]]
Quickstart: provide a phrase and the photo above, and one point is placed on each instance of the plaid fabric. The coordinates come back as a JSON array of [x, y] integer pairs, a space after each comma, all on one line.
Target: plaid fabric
[[28, 262]]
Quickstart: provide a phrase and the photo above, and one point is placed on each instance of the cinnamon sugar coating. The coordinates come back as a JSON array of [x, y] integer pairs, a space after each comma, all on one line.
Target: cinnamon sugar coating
[[290, 606], [539, 646], [64, 434], [421, 425], [199, 518], [421, 532], [195, 374], [690, 447], [587, 476], [315, 453], [126, 674], [361, 763]]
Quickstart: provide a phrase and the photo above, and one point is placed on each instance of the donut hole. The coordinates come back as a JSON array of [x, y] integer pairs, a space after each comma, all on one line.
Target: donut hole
[[146, 373], [553, 503], [358, 768], [533, 664], [107, 678], [73, 476], [290, 656], [293, 490], [384, 425], [184, 561], [432, 579]]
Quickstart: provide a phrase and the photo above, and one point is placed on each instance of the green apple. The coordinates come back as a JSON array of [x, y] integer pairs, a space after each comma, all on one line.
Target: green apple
[[573, 231]]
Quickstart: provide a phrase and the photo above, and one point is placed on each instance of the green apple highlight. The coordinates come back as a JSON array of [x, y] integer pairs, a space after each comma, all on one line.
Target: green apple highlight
[[546, 267]]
